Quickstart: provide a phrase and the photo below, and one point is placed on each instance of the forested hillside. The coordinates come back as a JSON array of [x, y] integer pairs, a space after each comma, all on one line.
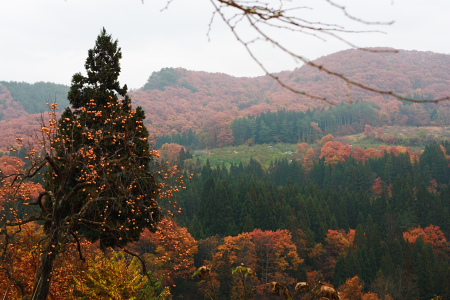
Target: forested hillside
[[208, 103], [34, 97], [350, 213], [22, 106], [204, 106]]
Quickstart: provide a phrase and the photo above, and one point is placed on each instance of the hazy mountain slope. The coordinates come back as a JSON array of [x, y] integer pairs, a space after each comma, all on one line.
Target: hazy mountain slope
[[15, 122], [195, 98], [34, 97], [176, 100], [405, 72]]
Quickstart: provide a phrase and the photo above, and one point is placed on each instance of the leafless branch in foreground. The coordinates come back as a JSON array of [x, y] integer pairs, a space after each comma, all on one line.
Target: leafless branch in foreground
[[265, 15]]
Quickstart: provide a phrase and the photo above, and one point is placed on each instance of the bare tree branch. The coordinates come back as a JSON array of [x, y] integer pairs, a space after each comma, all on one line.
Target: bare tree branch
[[16, 282], [262, 13], [354, 18], [144, 268], [80, 252]]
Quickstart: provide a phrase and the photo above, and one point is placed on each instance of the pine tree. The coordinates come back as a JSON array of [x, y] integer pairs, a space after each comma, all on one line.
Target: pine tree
[[103, 70]]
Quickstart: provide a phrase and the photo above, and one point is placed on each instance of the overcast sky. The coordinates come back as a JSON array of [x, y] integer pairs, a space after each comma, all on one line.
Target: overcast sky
[[48, 40]]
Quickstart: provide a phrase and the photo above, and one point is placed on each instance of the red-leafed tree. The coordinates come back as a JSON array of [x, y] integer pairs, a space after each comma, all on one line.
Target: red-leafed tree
[[339, 241], [431, 234], [378, 186], [369, 131], [352, 289], [335, 152], [301, 151], [276, 255], [302, 147], [326, 139], [10, 190], [370, 296], [324, 257], [169, 252], [309, 159], [170, 152], [359, 154], [216, 131], [238, 250], [20, 263], [271, 255]]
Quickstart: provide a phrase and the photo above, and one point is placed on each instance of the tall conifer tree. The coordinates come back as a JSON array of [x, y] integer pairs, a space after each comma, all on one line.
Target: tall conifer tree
[[100, 181]]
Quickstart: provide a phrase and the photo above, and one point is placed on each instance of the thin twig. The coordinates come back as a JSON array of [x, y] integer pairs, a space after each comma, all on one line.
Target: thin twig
[[144, 268], [259, 13], [80, 253]]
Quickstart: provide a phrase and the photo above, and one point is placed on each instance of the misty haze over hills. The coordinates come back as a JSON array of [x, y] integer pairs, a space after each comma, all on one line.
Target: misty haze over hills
[[178, 100]]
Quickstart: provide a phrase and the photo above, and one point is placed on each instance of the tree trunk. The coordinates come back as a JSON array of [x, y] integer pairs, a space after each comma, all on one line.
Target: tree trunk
[[45, 272]]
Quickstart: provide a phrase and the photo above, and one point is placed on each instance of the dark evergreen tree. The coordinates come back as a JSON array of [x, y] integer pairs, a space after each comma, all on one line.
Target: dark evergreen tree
[[424, 269], [434, 165], [101, 182], [103, 70]]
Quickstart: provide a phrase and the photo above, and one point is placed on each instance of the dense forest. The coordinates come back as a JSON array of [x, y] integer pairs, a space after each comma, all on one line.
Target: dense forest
[[347, 218], [372, 222], [286, 126]]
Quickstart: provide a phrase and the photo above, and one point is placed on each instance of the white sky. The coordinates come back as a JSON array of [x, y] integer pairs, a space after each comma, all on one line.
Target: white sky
[[48, 40]]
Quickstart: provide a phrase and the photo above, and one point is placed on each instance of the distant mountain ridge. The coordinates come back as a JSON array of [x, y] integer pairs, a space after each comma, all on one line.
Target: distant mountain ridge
[[174, 108], [404, 72], [178, 100]]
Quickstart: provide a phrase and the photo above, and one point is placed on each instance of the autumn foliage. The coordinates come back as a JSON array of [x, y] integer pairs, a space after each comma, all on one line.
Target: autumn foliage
[[432, 235], [169, 252], [99, 275], [352, 289], [100, 179], [180, 100], [97, 156], [271, 255]]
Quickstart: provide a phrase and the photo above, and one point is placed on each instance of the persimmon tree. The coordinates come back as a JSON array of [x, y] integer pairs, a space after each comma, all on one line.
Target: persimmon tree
[[101, 180]]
